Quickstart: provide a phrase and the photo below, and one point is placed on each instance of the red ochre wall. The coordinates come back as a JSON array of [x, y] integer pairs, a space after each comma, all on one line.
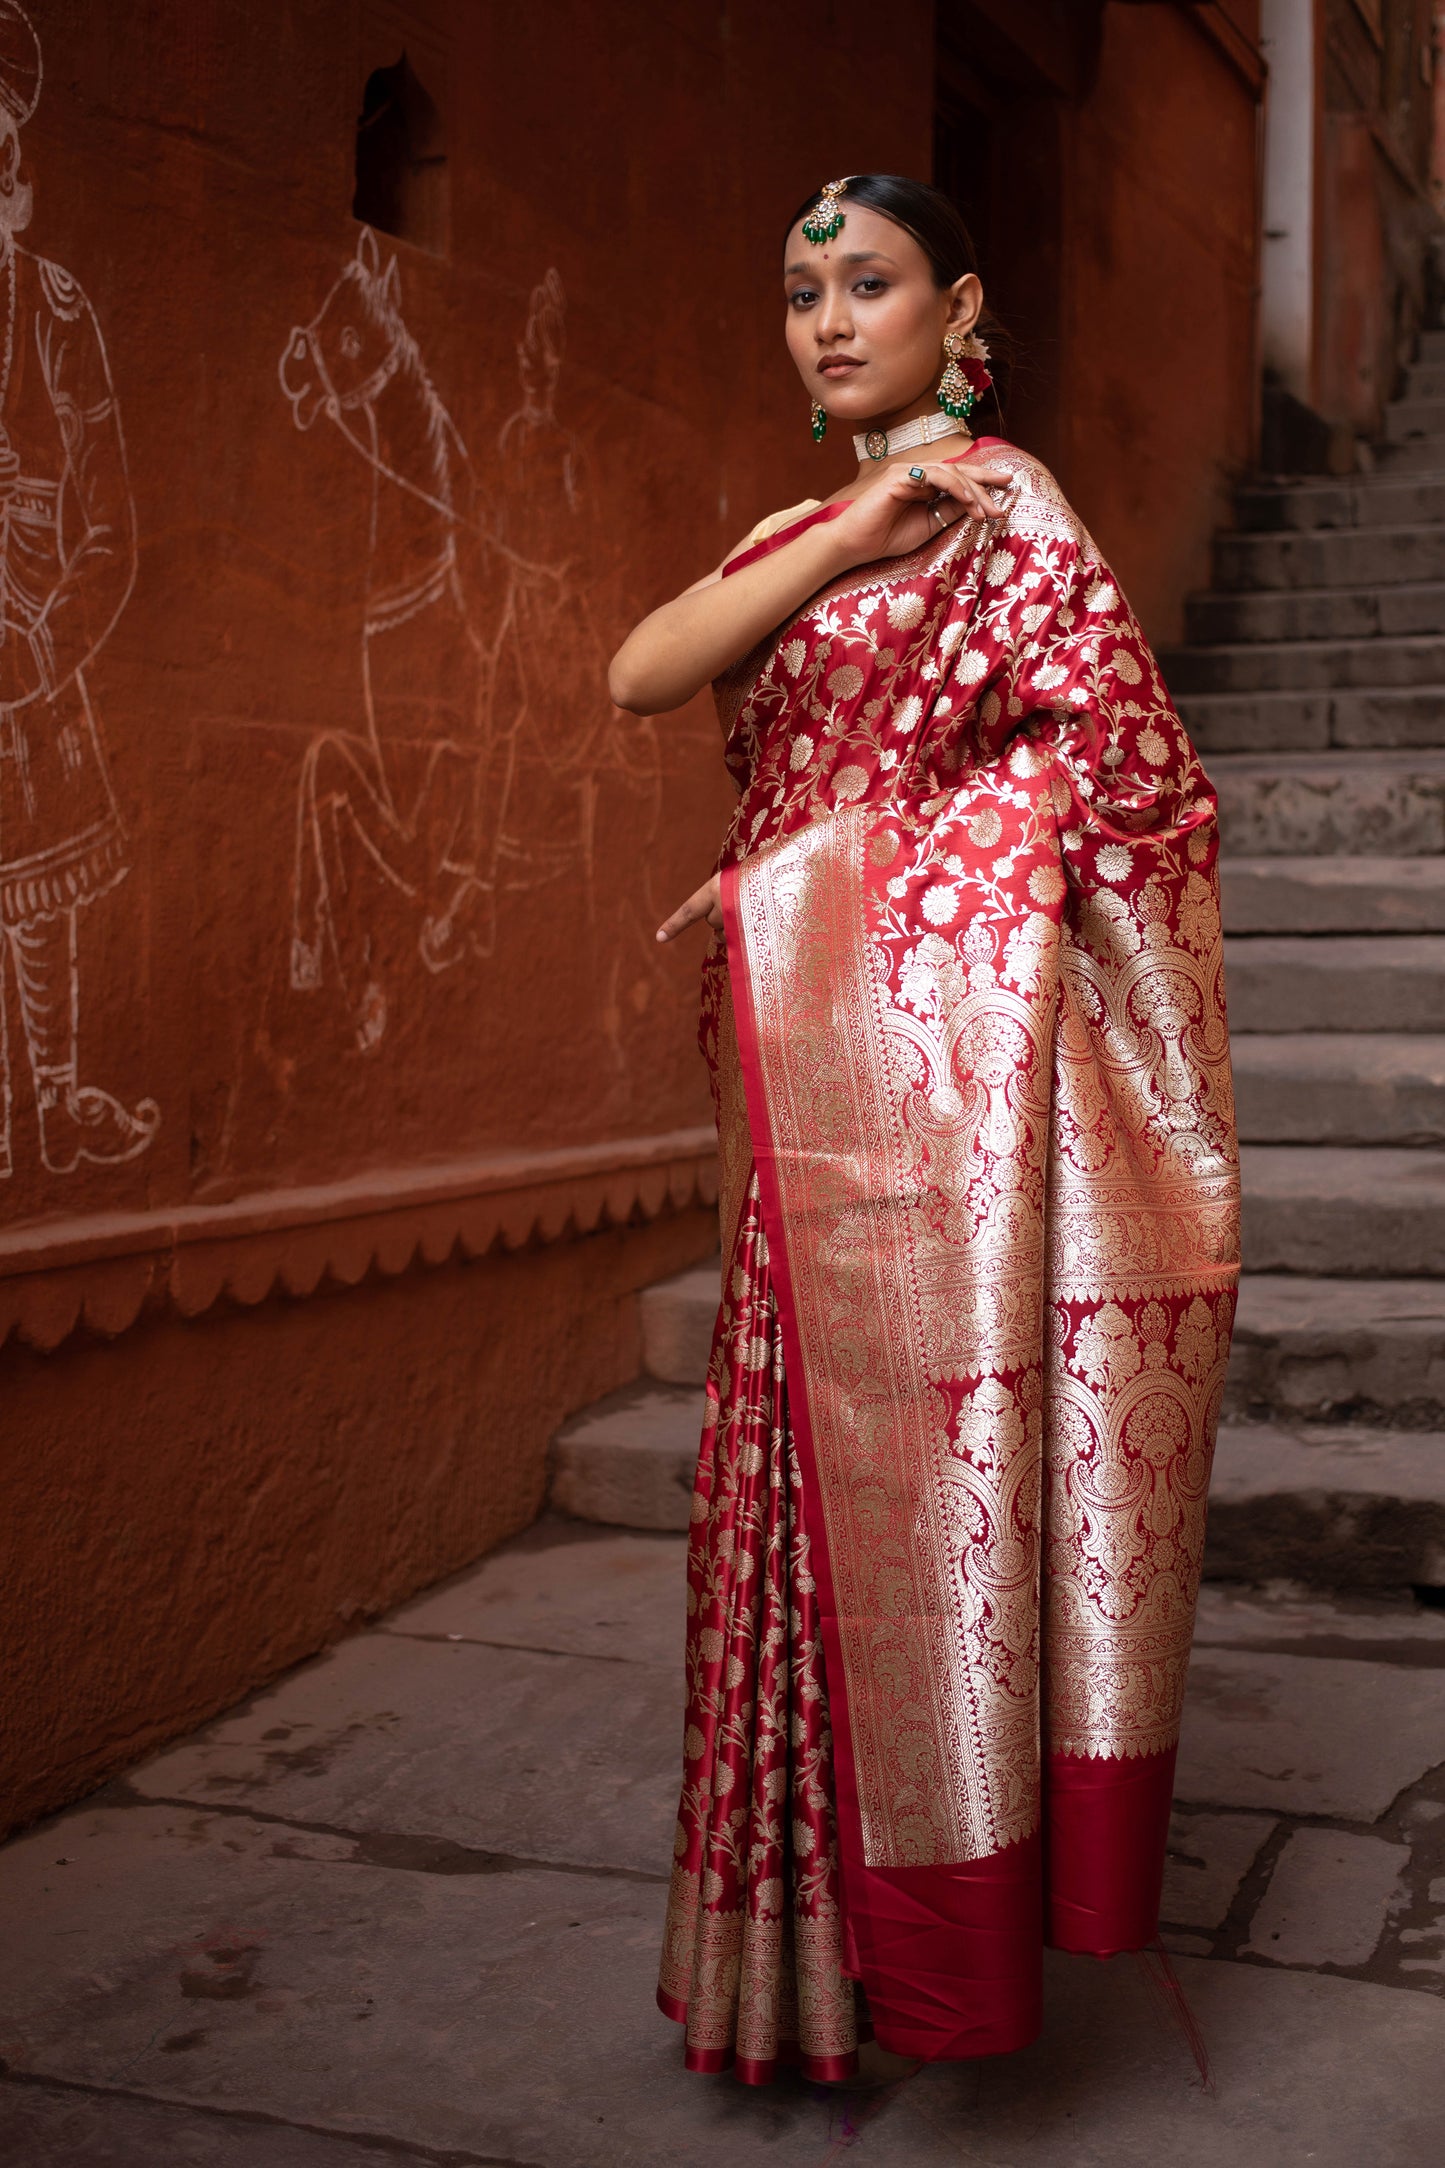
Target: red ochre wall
[[1157, 298], [1160, 266], [1139, 291], [302, 1353]]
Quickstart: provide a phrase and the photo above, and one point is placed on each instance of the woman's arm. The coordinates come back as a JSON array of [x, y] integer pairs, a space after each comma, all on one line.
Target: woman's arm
[[680, 648]]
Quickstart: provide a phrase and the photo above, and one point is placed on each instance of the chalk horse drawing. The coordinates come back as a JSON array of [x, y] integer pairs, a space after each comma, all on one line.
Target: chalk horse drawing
[[473, 632], [416, 797], [67, 565]]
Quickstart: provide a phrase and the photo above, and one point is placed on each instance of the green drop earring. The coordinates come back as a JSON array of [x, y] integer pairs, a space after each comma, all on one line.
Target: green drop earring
[[966, 375], [819, 421]]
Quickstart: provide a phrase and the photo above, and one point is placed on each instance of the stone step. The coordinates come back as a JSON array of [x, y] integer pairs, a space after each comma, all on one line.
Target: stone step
[[1317, 1350], [1305, 666], [1324, 559], [1425, 380], [1409, 420], [1333, 895], [1358, 500], [1317, 613], [1421, 456], [1322, 804], [1344, 1211], [630, 1460], [678, 1316], [1333, 1506], [1324, 982], [1315, 721], [1340, 1087]]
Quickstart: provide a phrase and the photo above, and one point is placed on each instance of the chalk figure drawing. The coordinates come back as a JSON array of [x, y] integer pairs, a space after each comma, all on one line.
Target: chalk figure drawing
[[468, 619], [583, 768], [67, 565]]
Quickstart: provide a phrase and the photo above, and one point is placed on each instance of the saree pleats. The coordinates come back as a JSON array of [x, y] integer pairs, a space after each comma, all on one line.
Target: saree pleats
[[753, 1961], [972, 1047]]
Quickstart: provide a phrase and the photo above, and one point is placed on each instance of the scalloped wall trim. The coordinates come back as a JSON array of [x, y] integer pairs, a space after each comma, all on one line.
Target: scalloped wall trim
[[104, 1270]]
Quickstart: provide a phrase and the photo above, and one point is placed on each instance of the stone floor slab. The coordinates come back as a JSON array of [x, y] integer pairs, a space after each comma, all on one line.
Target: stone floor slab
[[567, 1588], [1306, 1734], [507, 2019], [1209, 1856], [1328, 1898], [57, 2126], [573, 1759]]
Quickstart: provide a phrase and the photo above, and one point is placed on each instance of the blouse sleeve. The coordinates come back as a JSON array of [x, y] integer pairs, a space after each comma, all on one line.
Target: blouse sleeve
[[774, 524]]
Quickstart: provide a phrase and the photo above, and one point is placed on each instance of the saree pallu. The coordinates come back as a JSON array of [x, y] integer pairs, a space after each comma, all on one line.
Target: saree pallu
[[980, 1226]]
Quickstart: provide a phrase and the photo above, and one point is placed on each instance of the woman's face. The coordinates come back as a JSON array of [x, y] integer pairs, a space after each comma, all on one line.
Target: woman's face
[[866, 321]]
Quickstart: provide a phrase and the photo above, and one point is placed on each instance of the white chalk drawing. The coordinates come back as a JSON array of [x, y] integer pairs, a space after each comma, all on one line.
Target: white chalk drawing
[[584, 770], [472, 628], [416, 796], [67, 566]]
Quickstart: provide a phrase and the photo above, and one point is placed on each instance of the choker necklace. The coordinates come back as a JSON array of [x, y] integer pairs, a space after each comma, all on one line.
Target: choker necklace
[[878, 443]]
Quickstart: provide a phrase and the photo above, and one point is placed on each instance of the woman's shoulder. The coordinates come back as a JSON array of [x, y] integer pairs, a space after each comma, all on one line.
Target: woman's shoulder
[[1039, 510]]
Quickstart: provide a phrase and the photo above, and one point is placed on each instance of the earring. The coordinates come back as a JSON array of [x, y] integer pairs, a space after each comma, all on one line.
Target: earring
[[819, 421], [965, 375]]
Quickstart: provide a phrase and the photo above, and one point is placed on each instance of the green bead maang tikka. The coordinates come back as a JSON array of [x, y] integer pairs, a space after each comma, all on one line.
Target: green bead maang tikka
[[825, 219]]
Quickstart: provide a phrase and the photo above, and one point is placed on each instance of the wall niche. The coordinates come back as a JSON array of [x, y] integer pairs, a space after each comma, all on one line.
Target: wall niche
[[403, 186]]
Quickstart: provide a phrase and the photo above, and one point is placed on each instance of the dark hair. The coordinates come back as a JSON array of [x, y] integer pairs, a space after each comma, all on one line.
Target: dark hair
[[936, 224]]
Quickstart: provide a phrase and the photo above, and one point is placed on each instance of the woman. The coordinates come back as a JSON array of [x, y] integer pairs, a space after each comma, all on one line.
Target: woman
[[979, 1213]]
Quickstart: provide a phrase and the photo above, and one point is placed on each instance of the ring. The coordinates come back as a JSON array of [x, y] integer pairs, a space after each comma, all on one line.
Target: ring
[[937, 512], [915, 474]]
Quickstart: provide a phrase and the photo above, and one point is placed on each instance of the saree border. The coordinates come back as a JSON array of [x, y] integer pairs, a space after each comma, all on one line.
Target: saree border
[[975, 1922], [929, 1751]]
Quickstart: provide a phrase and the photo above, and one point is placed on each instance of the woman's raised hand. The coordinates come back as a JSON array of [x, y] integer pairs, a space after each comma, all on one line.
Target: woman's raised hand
[[704, 903], [905, 505]]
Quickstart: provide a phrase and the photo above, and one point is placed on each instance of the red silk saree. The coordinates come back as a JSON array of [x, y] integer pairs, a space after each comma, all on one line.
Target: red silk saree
[[980, 1242]]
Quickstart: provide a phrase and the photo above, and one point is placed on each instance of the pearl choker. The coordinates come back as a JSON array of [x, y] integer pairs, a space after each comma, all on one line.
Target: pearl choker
[[878, 443]]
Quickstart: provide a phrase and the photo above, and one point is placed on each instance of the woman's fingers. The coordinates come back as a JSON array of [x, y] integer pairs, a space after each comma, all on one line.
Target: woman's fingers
[[980, 493], [961, 493], [705, 904]]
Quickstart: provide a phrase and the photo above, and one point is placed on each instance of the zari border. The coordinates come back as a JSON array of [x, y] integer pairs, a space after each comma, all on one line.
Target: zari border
[[916, 1781]]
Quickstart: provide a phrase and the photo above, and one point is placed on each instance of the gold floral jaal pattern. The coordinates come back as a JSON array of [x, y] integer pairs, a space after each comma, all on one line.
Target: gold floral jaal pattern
[[979, 930]]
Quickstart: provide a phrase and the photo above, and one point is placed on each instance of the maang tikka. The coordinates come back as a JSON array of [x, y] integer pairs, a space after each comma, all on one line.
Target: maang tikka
[[821, 224], [966, 376], [825, 219]]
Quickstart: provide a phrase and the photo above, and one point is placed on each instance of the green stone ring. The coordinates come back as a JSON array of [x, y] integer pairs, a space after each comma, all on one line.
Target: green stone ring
[[915, 474]]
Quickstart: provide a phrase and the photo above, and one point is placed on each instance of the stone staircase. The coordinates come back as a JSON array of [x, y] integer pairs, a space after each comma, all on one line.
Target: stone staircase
[[630, 1459], [1314, 685]]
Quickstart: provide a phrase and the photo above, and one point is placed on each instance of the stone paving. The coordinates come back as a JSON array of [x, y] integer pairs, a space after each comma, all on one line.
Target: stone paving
[[453, 1830]]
